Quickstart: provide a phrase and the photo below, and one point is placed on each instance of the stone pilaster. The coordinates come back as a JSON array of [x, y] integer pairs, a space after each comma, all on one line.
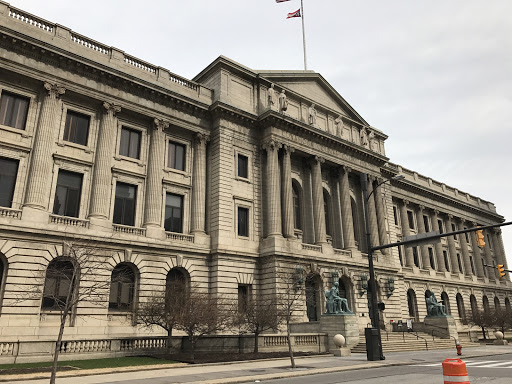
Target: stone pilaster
[[465, 250], [337, 235], [102, 173], [41, 161], [273, 189], [477, 254], [372, 213], [438, 247], [347, 221], [451, 246], [199, 184], [287, 197], [318, 200], [153, 205], [409, 259], [381, 217], [425, 259]]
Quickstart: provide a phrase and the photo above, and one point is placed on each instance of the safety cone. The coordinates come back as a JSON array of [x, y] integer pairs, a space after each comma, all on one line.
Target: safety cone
[[454, 372]]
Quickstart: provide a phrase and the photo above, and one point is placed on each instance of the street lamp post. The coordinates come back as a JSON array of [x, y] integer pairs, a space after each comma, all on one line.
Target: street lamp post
[[372, 286]]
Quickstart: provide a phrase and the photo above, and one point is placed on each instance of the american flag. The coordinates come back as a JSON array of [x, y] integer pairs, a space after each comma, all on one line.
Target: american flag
[[294, 14]]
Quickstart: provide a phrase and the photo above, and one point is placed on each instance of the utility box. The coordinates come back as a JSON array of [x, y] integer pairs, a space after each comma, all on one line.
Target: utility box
[[372, 344]]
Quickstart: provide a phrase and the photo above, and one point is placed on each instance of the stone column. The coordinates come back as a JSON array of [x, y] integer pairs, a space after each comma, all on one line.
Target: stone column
[[287, 198], [465, 250], [381, 217], [425, 259], [451, 246], [347, 221], [102, 173], [273, 189], [153, 205], [477, 254], [199, 184], [372, 213], [308, 225], [438, 246], [409, 259], [41, 161], [488, 256], [337, 235], [499, 242], [318, 200]]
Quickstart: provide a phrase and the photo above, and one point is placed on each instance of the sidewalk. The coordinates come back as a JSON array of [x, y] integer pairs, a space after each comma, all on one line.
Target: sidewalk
[[239, 372]]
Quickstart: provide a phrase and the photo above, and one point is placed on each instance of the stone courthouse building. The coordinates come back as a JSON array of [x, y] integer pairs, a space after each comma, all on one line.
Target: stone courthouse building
[[221, 181]]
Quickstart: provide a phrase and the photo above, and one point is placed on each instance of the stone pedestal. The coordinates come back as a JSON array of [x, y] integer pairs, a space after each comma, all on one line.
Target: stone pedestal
[[341, 352], [345, 325], [444, 327]]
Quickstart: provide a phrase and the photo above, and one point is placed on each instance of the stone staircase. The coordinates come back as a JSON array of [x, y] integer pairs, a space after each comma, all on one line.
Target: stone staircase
[[398, 342]]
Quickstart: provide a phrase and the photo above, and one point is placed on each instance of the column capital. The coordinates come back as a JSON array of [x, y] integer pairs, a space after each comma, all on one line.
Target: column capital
[[160, 124], [54, 90], [474, 223], [436, 211], [111, 108], [406, 202], [497, 231], [346, 169], [271, 145], [201, 138], [316, 159], [288, 149], [421, 208], [449, 216]]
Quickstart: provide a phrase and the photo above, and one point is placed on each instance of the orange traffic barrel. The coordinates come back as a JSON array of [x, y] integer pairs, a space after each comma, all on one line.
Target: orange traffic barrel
[[454, 372]]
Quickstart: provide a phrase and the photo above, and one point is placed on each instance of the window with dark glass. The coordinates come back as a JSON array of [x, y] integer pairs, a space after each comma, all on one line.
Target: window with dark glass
[[415, 256], [130, 143], [459, 261], [472, 264], [425, 222], [176, 156], [67, 194], [243, 166], [243, 297], [441, 227], [326, 212], [484, 268], [13, 110], [76, 129], [431, 258], [453, 230], [446, 262], [489, 241], [8, 173], [58, 284], [395, 215], [400, 257], [466, 235], [124, 206], [122, 288], [411, 219], [173, 213], [296, 208], [243, 221]]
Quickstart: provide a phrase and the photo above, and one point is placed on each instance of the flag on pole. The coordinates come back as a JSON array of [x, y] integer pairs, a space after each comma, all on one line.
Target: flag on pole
[[294, 14], [281, 1]]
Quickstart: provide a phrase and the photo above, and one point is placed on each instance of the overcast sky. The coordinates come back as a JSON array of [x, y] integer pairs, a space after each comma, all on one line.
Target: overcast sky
[[434, 75]]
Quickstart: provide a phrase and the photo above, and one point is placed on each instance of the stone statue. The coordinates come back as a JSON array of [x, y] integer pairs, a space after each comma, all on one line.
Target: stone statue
[[363, 135], [336, 304], [338, 123], [283, 102], [271, 96], [434, 308], [312, 115], [373, 142]]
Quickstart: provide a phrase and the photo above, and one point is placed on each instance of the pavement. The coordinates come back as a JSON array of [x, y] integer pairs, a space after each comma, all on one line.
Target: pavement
[[249, 371]]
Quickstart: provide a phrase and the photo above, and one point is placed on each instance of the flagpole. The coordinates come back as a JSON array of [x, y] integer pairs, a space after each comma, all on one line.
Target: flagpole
[[303, 34]]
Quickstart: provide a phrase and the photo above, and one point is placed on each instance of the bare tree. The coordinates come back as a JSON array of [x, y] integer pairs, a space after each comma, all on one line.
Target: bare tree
[[75, 275], [482, 319], [256, 316]]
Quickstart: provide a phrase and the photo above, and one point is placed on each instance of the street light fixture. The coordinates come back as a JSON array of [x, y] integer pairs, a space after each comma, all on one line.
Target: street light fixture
[[372, 335]]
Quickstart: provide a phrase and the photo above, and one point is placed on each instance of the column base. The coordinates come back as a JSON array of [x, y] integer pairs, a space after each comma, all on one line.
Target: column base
[[100, 224], [35, 215], [155, 233]]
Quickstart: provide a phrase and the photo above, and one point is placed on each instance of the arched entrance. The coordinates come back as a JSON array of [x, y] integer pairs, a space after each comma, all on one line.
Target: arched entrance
[[460, 308], [314, 302], [446, 302], [347, 291], [474, 305], [412, 304]]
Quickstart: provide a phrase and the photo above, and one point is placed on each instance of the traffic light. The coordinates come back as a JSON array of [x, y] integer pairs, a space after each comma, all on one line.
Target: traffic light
[[480, 238], [501, 270]]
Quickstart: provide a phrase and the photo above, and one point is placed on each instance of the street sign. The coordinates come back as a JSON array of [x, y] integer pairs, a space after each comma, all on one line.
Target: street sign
[[422, 238]]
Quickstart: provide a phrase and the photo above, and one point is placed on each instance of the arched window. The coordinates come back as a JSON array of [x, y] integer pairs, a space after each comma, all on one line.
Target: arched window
[[507, 304], [460, 307], [412, 304], [60, 283], [3, 275], [474, 306], [497, 305], [176, 284], [313, 300], [297, 216], [327, 210], [485, 302], [122, 287], [346, 291], [355, 222], [446, 302]]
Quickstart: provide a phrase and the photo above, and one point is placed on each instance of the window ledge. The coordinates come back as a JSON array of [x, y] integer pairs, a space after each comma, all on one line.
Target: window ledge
[[243, 179], [21, 132], [129, 159], [64, 143], [177, 171]]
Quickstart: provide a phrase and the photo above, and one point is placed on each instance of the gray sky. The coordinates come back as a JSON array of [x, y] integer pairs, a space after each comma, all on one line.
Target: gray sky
[[433, 75]]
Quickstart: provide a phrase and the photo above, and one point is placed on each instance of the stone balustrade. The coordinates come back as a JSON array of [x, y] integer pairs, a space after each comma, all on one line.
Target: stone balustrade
[[311, 247], [9, 212], [179, 237], [129, 230], [35, 21], [83, 346], [69, 221]]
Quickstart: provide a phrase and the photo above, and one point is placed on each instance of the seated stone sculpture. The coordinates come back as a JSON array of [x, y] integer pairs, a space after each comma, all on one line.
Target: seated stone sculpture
[[434, 308], [336, 304]]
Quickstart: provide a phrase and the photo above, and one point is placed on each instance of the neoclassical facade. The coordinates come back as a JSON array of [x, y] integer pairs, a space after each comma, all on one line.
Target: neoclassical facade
[[220, 181]]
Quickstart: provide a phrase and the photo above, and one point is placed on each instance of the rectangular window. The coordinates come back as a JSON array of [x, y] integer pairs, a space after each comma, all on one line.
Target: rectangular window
[[400, 256], [425, 222], [8, 173], [395, 215], [441, 227], [472, 264], [130, 143], [76, 129], [453, 230], [484, 268], [489, 241], [243, 166], [431, 257], [466, 235], [67, 194], [124, 206], [244, 292], [446, 261], [415, 255], [13, 110], [459, 261], [411, 219], [173, 213], [176, 156], [243, 221]]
